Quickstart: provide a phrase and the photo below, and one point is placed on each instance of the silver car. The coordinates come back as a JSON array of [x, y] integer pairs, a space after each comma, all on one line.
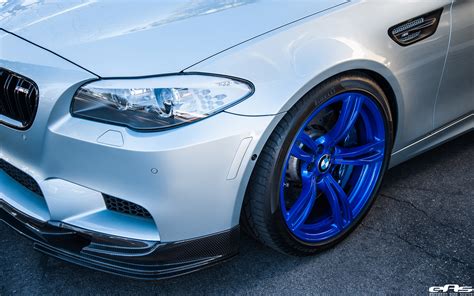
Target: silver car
[[139, 137]]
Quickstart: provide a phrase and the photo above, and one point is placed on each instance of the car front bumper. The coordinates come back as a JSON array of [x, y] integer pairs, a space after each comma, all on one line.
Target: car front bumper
[[191, 179], [194, 215]]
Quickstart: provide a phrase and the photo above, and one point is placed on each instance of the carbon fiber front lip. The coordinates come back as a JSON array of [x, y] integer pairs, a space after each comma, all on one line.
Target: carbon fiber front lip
[[131, 258]]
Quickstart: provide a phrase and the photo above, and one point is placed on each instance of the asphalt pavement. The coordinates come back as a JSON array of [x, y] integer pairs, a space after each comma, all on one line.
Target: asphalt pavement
[[419, 233]]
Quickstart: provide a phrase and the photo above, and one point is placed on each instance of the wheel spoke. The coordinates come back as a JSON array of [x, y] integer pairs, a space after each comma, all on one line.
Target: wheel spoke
[[299, 153], [361, 155], [301, 209], [347, 117], [306, 140], [337, 200]]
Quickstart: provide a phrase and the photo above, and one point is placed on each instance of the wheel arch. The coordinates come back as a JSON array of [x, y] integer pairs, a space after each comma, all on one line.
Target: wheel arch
[[377, 71]]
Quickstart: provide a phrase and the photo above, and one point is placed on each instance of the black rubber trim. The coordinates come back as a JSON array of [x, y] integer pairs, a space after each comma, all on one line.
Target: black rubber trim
[[148, 260]]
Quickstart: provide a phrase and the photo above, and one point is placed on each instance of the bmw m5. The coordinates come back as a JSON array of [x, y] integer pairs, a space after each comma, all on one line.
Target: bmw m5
[[139, 137]]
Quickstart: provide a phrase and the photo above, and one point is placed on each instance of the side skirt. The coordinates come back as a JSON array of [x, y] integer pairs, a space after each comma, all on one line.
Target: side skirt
[[451, 130]]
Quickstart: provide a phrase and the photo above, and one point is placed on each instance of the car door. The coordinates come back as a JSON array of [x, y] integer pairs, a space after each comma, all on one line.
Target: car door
[[456, 93]]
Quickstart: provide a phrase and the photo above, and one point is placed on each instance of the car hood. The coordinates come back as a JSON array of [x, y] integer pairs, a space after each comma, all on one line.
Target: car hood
[[138, 38]]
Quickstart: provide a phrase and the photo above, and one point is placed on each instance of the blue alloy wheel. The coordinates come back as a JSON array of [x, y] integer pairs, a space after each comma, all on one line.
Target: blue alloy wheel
[[332, 167], [321, 168]]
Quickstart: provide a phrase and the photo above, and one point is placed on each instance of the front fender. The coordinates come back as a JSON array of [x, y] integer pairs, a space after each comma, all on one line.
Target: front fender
[[288, 62]]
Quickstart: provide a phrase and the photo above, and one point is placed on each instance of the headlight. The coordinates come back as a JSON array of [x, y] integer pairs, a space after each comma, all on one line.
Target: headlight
[[158, 102]]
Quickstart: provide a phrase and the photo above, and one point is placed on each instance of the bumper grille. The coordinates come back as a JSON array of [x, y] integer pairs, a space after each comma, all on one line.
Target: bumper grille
[[18, 100], [21, 177], [125, 207]]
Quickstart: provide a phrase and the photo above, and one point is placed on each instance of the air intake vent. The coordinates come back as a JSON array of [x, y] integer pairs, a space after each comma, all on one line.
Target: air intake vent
[[18, 100], [415, 29], [21, 177], [122, 206]]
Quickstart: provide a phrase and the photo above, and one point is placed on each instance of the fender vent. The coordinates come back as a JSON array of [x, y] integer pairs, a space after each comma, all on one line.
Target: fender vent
[[415, 29], [125, 207]]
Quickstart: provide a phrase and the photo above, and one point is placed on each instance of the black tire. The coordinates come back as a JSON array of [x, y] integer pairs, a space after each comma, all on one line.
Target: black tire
[[261, 214]]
